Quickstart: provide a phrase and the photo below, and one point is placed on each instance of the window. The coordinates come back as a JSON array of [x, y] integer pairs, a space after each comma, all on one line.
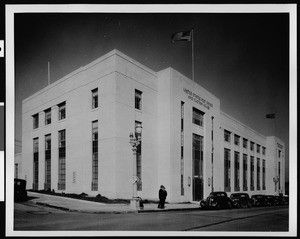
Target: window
[[35, 121], [47, 185], [258, 148], [251, 173], [62, 160], [95, 155], [16, 170], [236, 171], [264, 174], [62, 111], [279, 186], [138, 100], [47, 116], [279, 153], [258, 174], [227, 136], [245, 143], [236, 140], [198, 117], [95, 98], [182, 150], [245, 172], [227, 171], [197, 167], [263, 150], [35, 184], [251, 146], [139, 161]]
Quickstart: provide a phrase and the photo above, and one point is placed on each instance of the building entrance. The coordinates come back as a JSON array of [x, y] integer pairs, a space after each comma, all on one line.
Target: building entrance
[[197, 167]]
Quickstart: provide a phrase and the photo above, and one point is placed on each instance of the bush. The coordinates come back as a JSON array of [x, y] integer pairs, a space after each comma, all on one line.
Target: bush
[[83, 195]]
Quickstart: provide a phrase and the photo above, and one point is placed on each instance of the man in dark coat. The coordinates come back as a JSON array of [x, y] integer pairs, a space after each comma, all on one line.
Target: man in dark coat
[[162, 197]]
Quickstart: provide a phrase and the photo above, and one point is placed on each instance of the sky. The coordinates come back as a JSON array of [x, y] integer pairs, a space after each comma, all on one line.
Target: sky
[[243, 59]]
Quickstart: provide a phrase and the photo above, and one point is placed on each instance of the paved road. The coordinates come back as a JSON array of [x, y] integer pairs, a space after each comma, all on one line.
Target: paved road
[[37, 218]]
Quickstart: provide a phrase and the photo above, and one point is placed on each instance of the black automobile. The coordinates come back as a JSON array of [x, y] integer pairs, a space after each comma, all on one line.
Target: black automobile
[[240, 200], [218, 200], [285, 200], [271, 200], [258, 200], [20, 193]]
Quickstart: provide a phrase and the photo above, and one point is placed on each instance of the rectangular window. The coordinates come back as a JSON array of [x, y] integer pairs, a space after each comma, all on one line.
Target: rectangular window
[[138, 100], [95, 155], [197, 164], [245, 143], [198, 117], [227, 171], [35, 121], [35, 185], [95, 98], [47, 116], [47, 185], [236, 171], [263, 150], [182, 150], [139, 162], [264, 174], [251, 146], [258, 148], [236, 140], [16, 170], [227, 136], [251, 173], [279, 153], [62, 160], [279, 186], [258, 174], [245, 172], [62, 111]]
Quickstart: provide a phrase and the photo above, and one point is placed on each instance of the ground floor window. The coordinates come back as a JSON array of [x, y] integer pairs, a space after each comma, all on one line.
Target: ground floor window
[[258, 174], [197, 167], [227, 171], [62, 160], [236, 171], [264, 174], [245, 172], [251, 173]]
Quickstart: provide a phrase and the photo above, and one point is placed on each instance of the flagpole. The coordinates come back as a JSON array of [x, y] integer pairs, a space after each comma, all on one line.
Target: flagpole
[[48, 73], [193, 74], [275, 122]]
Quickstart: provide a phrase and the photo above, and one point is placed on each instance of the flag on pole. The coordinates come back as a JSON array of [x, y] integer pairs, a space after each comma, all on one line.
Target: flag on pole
[[182, 36], [270, 116]]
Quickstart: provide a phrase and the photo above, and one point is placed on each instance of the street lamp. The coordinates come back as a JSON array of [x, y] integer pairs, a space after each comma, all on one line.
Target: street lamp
[[275, 180], [135, 140]]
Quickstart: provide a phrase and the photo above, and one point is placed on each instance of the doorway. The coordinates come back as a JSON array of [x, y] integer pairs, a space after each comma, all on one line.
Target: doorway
[[197, 167]]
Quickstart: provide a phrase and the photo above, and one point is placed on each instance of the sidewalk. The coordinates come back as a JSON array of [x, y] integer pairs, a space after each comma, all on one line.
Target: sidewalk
[[77, 205]]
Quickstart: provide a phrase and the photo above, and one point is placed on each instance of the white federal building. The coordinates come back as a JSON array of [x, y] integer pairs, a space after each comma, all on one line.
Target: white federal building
[[75, 137]]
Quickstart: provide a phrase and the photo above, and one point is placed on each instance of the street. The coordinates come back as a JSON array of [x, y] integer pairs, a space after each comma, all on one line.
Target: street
[[31, 217]]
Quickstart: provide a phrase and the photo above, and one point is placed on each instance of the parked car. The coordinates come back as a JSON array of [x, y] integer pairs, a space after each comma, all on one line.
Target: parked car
[[240, 200], [270, 200], [20, 193], [285, 200], [277, 200], [218, 200], [258, 200]]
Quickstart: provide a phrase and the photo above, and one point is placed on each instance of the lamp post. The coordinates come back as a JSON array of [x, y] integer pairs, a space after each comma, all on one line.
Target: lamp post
[[135, 140], [275, 180]]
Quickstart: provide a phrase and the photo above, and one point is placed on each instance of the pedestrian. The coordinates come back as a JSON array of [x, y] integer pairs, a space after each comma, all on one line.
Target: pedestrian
[[162, 197]]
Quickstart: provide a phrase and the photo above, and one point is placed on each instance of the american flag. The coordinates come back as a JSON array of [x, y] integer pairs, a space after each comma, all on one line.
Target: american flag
[[181, 36]]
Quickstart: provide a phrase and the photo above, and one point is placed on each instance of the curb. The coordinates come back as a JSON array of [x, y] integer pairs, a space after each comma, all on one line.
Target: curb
[[114, 212]]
